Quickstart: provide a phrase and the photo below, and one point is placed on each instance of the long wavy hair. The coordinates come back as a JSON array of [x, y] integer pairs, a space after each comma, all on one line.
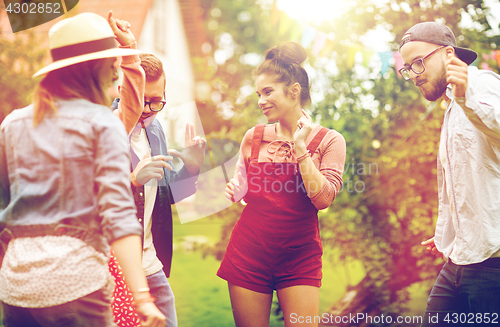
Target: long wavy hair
[[78, 81]]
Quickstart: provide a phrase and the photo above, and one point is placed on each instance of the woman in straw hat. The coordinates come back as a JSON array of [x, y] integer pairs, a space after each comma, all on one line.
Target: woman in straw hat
[[65, 190]]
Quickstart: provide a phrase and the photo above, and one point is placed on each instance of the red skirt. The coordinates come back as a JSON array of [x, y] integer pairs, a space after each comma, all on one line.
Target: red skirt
[[124, 312]]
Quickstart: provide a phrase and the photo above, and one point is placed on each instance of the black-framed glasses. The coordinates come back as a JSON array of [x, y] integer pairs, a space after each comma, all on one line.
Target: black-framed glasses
[[417, 65], [156, 105]]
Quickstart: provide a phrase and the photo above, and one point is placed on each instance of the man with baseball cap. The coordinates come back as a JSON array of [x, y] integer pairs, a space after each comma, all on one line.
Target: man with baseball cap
[[468, 227]]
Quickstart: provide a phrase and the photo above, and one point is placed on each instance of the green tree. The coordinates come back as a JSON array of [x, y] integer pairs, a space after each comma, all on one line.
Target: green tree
[[384, 224], [388, 203], [20, 58], [234, 30]]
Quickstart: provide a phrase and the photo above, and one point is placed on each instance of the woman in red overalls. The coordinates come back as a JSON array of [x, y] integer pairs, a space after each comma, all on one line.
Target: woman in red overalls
[[286, 172]]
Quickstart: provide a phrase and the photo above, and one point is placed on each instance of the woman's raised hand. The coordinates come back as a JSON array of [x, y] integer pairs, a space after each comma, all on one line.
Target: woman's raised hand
[[304, 127]]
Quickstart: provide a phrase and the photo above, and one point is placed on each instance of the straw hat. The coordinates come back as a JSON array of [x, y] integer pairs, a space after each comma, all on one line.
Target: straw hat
[[81, 38]]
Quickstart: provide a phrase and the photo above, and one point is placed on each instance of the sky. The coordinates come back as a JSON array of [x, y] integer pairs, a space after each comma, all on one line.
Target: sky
[[377, 40], [319, 10]]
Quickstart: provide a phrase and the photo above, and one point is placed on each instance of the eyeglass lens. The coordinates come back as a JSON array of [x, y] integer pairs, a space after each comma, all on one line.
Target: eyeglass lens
[[418, 66], [156, 105]]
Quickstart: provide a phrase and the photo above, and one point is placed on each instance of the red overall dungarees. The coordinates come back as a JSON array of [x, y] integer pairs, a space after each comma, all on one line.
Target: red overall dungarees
[[276, 243]]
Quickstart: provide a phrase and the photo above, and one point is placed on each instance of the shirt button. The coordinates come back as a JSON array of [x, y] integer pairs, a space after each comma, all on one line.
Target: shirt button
[[140, 193], [140, 220]]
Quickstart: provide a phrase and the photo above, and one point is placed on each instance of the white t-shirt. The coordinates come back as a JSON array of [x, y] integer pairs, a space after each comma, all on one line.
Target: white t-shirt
[[150, 262]]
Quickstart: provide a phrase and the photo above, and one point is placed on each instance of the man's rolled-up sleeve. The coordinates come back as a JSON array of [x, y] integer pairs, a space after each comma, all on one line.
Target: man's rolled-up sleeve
[[482, 106]]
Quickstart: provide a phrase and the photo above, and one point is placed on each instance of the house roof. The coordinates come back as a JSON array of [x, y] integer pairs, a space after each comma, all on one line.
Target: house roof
[[193, 25], [133, 11], [4, 21]]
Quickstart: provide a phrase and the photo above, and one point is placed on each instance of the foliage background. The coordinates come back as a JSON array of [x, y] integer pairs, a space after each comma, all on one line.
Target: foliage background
[[388, 126], [392, 136]]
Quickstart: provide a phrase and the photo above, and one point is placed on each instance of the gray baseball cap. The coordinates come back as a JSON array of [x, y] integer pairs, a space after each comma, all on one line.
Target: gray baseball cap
[[432, 32]]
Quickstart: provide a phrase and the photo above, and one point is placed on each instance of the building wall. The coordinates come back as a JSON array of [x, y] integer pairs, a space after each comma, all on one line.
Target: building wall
[[163, 35]]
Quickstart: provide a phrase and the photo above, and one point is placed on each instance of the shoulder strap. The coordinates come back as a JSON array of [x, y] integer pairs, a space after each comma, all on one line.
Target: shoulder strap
[[317, 140], [256, 140]]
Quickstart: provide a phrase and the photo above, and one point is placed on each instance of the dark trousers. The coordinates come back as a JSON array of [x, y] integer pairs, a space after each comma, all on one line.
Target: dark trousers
[[465, 295]]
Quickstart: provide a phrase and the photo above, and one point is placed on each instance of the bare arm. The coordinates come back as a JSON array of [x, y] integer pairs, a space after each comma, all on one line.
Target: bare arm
[[128, 252], [117, 210], [322, 184]]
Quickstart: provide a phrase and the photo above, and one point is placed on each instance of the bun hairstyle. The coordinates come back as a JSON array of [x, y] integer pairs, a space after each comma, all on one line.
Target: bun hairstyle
[[285, 62]]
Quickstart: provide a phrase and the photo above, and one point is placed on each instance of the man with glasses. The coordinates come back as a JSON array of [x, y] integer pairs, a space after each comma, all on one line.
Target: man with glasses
[[152, 177], [468, 226]]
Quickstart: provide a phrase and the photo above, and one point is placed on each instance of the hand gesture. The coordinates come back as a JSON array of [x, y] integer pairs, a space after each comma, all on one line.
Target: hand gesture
[[194, 150], [149, 168], [456, 75], [431, 247], [150, 316], [122, 31], [304, 127], [236, 188]]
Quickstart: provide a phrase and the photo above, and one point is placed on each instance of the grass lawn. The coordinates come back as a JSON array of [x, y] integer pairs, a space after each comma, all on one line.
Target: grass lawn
[[202, 298]]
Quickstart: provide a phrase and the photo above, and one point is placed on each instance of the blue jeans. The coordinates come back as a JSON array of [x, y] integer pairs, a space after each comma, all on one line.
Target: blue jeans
[[91, 310], [465, 295], [165, 301]]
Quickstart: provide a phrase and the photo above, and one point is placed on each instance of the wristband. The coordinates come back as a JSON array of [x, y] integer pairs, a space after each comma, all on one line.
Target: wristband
[[305, 155], [142, 290], [460, 101], [140, 302]]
